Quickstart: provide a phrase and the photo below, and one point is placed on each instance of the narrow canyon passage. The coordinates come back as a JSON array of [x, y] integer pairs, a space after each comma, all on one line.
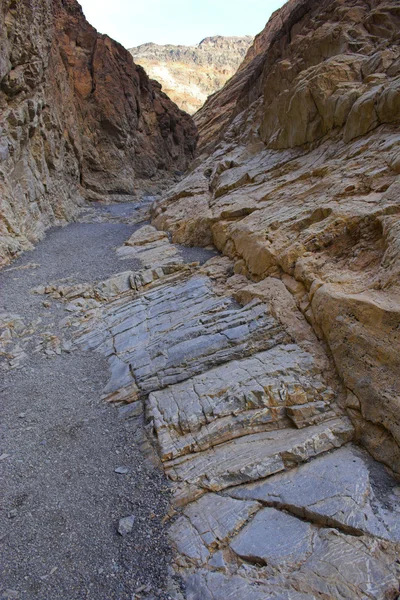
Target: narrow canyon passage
[[199, 371], [226, 444]]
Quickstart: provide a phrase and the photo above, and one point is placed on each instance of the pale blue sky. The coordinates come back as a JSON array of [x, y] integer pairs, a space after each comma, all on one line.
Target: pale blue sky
[[134, 22]]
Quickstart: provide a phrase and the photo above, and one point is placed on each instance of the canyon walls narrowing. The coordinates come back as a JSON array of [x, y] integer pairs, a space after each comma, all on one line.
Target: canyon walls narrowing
[[78, 119]]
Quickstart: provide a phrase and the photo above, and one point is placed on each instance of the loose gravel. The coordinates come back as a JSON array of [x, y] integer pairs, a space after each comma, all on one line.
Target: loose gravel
[[70, 468]]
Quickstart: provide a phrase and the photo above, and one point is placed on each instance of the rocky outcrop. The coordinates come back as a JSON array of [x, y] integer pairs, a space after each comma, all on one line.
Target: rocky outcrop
[[271, 496], [299, 180], [78, 119], [189, 74]]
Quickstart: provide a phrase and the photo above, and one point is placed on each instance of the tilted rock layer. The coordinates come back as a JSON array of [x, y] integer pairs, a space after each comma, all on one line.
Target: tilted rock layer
[[299, 180], [189, 74], [77, 119], [271, 496]]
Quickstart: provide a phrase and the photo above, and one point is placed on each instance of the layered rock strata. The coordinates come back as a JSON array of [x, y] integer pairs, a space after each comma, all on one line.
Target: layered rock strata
[[299, 180], [189, 74], [271, 496], [78, 120]]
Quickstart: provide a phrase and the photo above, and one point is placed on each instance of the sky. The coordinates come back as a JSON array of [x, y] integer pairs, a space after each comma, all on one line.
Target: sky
[[187, 22]]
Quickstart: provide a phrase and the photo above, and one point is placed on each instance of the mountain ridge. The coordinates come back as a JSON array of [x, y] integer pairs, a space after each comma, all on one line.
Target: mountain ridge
[[189, 74]]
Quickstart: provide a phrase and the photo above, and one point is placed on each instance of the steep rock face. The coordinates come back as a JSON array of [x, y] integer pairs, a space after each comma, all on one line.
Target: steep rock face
[[189, 74], [246, 85], [299, 180], [78, 119]]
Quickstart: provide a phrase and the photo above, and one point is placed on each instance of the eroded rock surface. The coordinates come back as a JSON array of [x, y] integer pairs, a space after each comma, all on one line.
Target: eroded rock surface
[[271, 497], [78, 120], [299, 180]]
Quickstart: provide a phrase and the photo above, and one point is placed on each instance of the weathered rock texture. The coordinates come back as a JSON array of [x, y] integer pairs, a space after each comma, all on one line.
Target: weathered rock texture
[[271, 497], [245, 370], [77, 119], [299, 180], [189, 74]]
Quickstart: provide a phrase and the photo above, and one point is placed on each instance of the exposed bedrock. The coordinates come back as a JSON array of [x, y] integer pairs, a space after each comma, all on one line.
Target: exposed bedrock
[[272, 497], [78, 120], [299, 180]]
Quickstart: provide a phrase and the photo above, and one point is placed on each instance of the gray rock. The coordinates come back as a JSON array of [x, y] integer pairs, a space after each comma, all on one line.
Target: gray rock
[[187, 541], [207, 523], [114, 286], [121, 470], [217, 518], [217, 561], [132, 410], [273, 538], [170, 333], [4, 150], [253, 457], [335, 490], [250, 395], [125, 525], [206, 585]]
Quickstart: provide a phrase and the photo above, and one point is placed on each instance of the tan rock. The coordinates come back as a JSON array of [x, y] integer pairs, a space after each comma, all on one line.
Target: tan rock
[[298, 180], [189, 74]]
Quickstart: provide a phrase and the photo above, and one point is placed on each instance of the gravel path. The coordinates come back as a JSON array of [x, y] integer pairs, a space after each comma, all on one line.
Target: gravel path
[[61, 499]]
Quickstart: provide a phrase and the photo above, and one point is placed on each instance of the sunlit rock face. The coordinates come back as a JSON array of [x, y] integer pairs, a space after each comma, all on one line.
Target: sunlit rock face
[[189, 74], [78, 119], [298, 179]]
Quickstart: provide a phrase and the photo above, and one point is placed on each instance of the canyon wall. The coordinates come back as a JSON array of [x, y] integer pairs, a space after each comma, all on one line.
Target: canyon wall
[[78, 120], [189, 74], [297, 179]]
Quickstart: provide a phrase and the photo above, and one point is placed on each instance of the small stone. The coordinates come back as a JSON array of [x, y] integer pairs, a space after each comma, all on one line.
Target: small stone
[[39, 290], [121, 470], [141, 588], [12, 514], [46, 304], [22, 415], [70, 307], [4, 456], [125, 525], [67, 346], [10, 595]]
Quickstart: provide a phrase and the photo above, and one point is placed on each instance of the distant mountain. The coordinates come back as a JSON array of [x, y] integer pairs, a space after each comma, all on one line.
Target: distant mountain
[[189, 74]]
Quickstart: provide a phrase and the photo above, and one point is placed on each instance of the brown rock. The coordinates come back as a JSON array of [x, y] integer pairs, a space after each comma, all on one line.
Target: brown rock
[[78, 119]]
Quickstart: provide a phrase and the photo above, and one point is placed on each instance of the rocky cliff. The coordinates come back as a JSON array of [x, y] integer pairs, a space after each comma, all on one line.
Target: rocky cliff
[[78, 119], [299, 181], [189, 74]]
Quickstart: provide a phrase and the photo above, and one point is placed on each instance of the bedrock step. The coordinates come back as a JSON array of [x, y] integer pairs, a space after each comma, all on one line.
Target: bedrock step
[[269, 390], [325, 529], [168, 334], [253, 457]]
